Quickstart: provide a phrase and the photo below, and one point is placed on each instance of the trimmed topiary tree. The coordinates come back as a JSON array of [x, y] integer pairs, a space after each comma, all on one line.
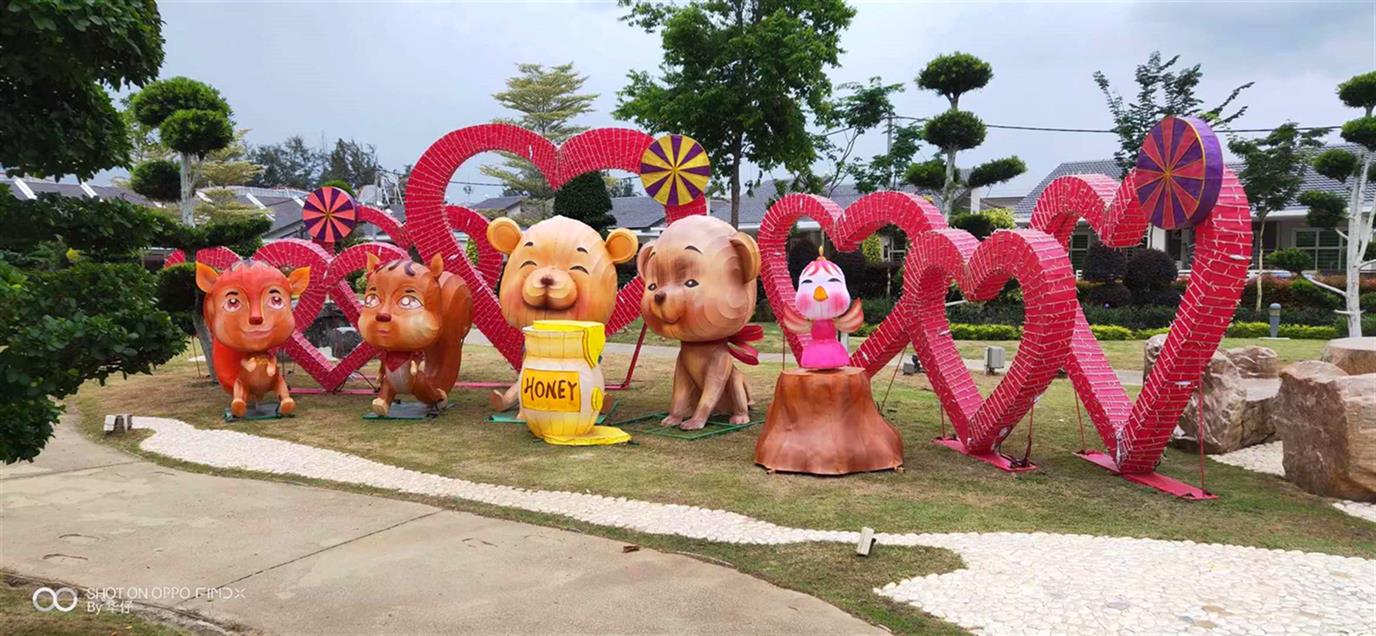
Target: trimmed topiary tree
[[192, 119], [1292, 259], [585, 198], [1103, 264], [1148, 270]]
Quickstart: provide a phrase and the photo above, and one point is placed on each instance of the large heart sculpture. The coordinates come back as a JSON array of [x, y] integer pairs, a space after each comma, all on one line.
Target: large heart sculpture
[[431, 223], [980, 269], [846, 229], [1135, 434]]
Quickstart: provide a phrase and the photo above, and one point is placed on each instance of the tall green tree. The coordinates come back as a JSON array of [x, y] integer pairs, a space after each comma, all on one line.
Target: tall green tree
[[955, 130], [739, 76], [547, 100], [192, 120], [1161, 91], [289, 164], [1327, 209], [57, 58], [1274, 170], [843, 120], [351, 162], [585, 198]]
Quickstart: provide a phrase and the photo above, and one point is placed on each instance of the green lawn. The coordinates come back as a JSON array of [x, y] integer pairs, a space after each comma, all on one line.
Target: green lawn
[[939, 491]]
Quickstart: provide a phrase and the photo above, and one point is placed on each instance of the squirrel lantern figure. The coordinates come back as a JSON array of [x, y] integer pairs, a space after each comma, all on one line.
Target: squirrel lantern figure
[[821, 308], [418, 316], [249, 314], [558, 269], [700, 289]]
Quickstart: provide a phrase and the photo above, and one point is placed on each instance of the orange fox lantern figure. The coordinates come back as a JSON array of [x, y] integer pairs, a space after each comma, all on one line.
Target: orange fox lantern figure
[[248, 311], [418, 317]]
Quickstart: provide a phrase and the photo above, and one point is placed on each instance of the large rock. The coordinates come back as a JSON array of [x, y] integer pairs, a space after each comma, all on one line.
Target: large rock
[[1255, 362], [1356, 356], [1327, 420], [1234, 406]]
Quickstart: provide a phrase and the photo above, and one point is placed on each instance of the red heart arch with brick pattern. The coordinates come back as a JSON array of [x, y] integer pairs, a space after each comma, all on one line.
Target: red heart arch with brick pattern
[[430, 222], [1136, 433]]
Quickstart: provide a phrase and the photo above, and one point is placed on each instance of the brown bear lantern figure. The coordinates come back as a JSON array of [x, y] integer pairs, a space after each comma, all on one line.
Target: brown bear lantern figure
[[700, 289], [558, 269]]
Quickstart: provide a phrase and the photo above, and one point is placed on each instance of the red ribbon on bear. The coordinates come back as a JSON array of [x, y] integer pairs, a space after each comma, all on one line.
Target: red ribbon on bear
[[738, 345]]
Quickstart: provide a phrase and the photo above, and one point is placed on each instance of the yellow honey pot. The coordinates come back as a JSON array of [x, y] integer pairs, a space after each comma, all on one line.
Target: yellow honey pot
[[561, 384]]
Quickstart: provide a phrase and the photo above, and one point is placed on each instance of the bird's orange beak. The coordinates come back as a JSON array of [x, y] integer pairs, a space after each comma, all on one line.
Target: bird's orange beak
[[819, 294]]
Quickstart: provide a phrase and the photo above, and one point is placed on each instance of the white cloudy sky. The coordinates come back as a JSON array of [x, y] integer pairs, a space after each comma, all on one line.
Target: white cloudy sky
[[400, 75]]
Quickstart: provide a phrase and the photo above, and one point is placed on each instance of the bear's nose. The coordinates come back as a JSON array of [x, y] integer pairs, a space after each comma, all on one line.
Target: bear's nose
[[659, 298], [546, 280]]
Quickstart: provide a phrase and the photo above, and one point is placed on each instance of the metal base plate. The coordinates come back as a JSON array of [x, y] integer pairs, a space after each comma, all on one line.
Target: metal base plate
[[992, 458], [259, 411], [406, 411], [1153, 480], [716, 425]]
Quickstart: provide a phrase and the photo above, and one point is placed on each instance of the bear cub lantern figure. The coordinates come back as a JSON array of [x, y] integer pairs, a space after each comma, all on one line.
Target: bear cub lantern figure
[[249, 314], [558, 269], [418, 316], [823, 307], [700, 290]]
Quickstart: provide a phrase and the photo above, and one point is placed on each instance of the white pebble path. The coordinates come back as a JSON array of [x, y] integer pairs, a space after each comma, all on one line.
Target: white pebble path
[[1013, 583], [1269, 458]]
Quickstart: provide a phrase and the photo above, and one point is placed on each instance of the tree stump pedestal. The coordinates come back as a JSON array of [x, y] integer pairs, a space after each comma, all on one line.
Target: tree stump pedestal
[[824, 422]]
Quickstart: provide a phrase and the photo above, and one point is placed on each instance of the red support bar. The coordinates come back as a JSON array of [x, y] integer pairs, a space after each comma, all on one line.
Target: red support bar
[[1153, 480], [992, 458]]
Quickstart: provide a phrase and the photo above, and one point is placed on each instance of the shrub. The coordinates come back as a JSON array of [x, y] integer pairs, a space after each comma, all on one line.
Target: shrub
[[177, 295], [1143, 334], [1308, 332], [1367, 302], [801, 251], [977, 224], [1308, 294], [1132, 317], [1291, 260], [1108, 295], [1249, 330], [1165, 297], [876, 309], [962, 331], [1111, 332], [1103, 264], [1149, 269]]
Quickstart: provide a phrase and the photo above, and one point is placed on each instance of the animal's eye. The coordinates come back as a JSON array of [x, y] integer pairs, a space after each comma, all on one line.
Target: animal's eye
[[232, 304], [652, 287], [275, 301], [371, 300], [833, 280], [409, 302], [692, 282], [806, 281], [579, 268]]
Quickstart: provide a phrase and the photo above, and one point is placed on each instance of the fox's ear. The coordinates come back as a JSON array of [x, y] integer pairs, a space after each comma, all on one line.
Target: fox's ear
[[437, 264], [206, 277], [373, 260], [299, 278], [504, 235], [621, 245]]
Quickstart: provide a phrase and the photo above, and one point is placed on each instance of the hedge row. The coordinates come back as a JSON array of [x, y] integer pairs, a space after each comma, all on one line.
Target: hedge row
[[1104, 333]]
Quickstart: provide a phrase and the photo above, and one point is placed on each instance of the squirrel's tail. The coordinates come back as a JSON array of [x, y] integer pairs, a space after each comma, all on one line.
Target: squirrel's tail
[[227, 363], [443, 359]]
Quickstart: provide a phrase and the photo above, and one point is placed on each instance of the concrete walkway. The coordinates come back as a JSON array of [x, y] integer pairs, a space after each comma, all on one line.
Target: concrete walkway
[[296, 559]]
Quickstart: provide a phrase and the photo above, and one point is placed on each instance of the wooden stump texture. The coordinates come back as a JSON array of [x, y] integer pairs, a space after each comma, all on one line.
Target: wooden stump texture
[[826, 423]]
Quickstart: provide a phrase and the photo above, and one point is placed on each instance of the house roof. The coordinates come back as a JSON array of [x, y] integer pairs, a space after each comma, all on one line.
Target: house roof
[[78, 190], [1312, 180], [637, 213], [499, 203]]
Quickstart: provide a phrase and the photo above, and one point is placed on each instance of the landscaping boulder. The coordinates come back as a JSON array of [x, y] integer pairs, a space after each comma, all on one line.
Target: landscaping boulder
[[1356, 356], [1255, 362], [1327, 420], [1234, 416], [343, 340]]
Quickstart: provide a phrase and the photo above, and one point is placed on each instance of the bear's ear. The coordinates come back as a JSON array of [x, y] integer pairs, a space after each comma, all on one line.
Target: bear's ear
[[299, 278], [643, 261], [621, 244], [206, 277], [437, 264], [373, 260], [504, 235], [749, 254]]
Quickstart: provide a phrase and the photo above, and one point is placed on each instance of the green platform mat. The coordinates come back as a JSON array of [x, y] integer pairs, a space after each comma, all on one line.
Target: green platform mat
[[261, 411], [510, 418], [716, 425], [406, 411]]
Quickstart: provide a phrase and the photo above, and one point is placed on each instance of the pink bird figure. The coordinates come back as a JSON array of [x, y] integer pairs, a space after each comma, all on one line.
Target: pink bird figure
[[823, 307]]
